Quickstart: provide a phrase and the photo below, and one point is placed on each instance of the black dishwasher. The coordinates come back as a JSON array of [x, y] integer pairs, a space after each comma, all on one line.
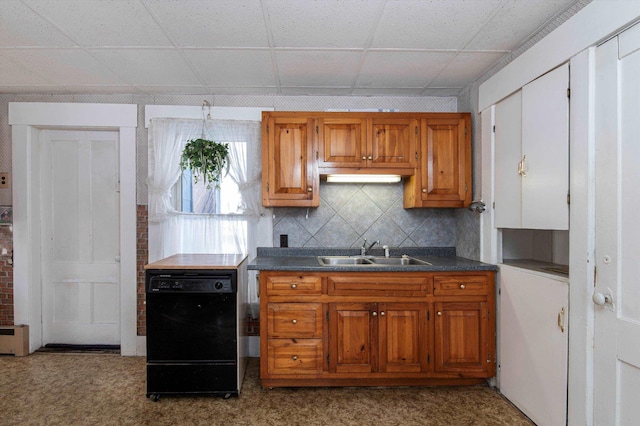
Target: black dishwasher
[[192, 333]]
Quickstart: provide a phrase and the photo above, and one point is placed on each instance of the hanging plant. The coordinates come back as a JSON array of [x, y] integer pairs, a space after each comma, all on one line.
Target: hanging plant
[[206, 159]]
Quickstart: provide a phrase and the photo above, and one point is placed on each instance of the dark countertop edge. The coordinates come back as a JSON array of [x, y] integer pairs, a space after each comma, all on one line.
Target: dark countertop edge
[[295, 260], [354, 251]]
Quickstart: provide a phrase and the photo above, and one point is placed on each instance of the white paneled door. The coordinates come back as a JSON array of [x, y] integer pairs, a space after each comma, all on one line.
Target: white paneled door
[[80, 245], [617, 288]]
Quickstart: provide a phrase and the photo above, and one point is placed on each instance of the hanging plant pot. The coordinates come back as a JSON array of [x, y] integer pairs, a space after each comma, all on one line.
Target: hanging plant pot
[[207, 159]]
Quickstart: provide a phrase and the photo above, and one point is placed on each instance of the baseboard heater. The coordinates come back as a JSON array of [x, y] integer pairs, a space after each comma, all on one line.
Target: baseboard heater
[[14, 340]]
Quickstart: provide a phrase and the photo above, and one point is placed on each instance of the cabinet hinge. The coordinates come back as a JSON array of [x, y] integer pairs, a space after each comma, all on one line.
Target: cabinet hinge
[[267, 128], [494, 205], [416, 155], [317, 155], [494, 129], [428, 358], [267, 186], [499, 291], [466, 188], [488, 358], [428, 316], [416, 130], [568, 92], [327, 316], [327, 359], [568, 198], [489, 315], [465, 131], [317, 131]]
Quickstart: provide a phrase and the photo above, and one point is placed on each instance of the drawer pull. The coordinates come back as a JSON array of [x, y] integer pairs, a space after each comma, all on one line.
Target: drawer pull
[[439, 313], [364, 157], [462, 286], [294, 321], [375, 314], [381, 313], [294, 286], [295, 357]]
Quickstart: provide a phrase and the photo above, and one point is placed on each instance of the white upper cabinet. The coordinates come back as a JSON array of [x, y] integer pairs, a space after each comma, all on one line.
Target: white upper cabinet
[[532, 155]]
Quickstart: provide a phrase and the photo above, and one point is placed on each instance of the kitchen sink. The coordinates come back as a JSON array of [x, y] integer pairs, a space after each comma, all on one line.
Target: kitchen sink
[[369, 260], [398, 261], [343, 260]]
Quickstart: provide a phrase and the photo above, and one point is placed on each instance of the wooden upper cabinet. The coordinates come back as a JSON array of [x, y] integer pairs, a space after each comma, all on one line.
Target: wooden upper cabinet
[[342, 142], [444, 178], [367, 143], [393, 142], [289, 173]]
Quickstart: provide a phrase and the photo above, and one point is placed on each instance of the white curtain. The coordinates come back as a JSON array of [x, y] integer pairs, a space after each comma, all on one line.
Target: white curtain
[[203, 233]]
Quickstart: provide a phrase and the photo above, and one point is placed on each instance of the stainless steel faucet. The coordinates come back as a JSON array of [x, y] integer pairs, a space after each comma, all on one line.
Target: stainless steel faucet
[[364, 249]]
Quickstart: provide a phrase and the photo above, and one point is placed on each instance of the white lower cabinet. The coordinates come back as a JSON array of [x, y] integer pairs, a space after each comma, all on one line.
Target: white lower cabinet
[[533, 343]]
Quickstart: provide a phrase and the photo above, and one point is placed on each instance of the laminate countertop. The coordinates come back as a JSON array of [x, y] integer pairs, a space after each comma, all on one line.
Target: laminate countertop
[[199, 261], [306, 259]]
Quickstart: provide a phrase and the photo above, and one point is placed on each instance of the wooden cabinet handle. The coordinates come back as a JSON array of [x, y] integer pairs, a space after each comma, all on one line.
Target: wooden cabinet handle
[[462, 286], [294, 321], [294, 286], [424, 190], [381, 313], [309, 189], [370, 157], [295, 357], [439, 313], [374, 314], [364, 157]]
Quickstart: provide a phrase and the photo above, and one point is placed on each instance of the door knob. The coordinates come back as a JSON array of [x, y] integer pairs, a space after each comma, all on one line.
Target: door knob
[[601, 299]]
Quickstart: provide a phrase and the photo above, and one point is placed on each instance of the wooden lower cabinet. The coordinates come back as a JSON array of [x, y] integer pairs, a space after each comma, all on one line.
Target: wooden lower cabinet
[[366, 329]]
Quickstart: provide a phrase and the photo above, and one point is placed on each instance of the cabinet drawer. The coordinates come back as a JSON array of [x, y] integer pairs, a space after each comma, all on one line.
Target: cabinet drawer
[[378, 285], [294, 320], [459, 285], [294, 356], [293, 284]]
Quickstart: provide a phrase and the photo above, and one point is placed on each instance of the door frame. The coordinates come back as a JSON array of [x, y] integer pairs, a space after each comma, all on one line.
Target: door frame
[[26, 120]]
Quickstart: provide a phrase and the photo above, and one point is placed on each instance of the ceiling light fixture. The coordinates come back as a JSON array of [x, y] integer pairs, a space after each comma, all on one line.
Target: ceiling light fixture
[[340, 178]]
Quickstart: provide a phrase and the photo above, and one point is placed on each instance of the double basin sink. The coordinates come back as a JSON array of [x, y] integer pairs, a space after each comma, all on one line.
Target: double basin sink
[[370, 260]]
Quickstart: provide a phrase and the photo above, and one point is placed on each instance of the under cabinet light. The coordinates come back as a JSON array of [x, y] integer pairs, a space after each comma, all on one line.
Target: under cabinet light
[[363, 178]]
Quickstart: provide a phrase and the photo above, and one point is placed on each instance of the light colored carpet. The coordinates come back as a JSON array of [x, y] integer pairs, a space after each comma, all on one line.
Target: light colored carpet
[[90, 389]]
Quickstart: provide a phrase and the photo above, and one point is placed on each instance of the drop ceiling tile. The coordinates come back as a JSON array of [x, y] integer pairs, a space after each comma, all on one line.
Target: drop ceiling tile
[[21, 27], [103, 23], [32, 89], [149, 67], [440, 92], [516, 22], [235, 90], [465, 68], [439, 24], [18, 75], [387, 91], [173, 90], [101, 89], [316, 91], [318, 68], [234, 67], [64, 66], [401, 69], [206, 23], [327, 23]]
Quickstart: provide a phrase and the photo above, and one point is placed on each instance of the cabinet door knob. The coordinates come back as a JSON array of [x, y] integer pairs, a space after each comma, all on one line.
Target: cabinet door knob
[[439, 313], [294, 321], [295, 357], [381, 313], [375, 314], [364, 157], [462, 286], [294, 286], [370, 157], [424, 190], [309, 189]]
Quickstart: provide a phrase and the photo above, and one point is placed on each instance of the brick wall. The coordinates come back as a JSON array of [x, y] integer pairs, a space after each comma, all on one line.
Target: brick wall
[[142, 234], [6, 275]]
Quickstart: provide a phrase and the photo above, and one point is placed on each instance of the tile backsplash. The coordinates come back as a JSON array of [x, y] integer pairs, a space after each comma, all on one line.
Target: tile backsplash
[[349, 213]]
